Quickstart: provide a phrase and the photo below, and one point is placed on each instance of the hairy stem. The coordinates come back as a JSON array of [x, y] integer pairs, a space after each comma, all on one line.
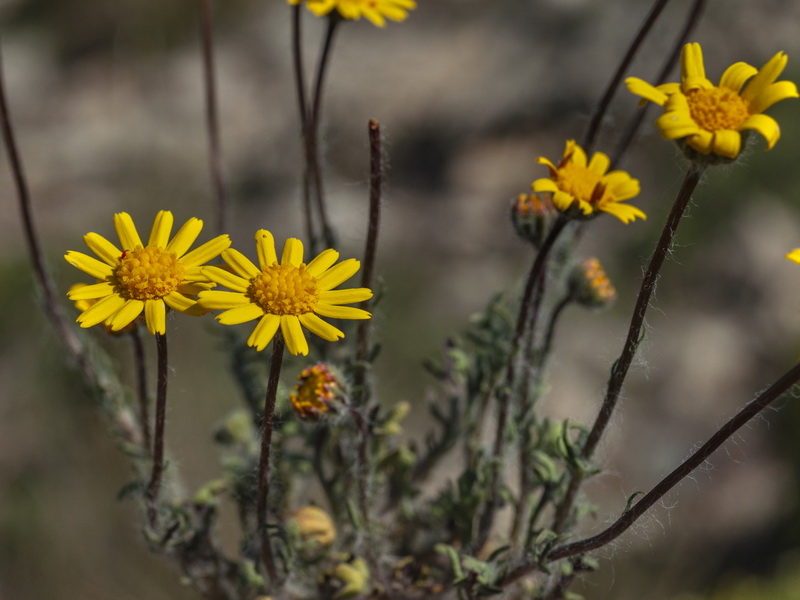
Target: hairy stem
[[212, 118], [302, 105], [263, 463], [158, 444], [633, 128], [620, 368], [613, 85], [141, 389]]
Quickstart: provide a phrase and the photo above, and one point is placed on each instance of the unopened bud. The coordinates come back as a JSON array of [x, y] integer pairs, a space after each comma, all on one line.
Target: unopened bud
[[532, 215], [317, 393], [591, 286]]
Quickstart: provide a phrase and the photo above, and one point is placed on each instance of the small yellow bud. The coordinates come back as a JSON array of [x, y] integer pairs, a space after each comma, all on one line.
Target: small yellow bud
[[355, 577]]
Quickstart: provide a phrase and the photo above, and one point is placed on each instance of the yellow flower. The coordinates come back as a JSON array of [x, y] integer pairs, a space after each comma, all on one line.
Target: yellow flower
[[141, 278], [375, 10], [314, 526], [289, 295], [794, 255], [587, 186], [317, 391], [711, 118]]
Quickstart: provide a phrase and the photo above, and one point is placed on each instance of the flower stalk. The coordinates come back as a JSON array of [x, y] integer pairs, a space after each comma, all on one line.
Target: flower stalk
[[157, 472]]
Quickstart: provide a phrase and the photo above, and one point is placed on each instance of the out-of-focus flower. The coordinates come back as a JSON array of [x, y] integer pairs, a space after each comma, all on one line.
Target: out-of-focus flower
[[583, 188], [710, 119], [317, 392], [532, 215], [377, 11], [591, 286], [288, 295], [143, 278], [314, 527]]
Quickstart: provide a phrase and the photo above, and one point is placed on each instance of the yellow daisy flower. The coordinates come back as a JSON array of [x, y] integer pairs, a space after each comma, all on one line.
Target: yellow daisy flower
[[290, 295], [711, 118], [375, 10], [576, 182], [141, 278]]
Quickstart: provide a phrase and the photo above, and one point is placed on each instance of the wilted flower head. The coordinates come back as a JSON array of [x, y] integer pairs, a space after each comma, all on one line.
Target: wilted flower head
[[710, 119], [317, 392], [376, 11], [141, 278], [583, 188]]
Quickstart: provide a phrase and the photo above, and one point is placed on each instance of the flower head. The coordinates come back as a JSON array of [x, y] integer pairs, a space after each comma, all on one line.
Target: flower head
[[288, 295], [584, 187], [314, 527], [317, 391], [377, 11], [591, 286], [711, 119], [143, 278], [532, 215]]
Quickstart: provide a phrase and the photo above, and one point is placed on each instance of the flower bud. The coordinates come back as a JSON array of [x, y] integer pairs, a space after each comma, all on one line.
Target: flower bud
[[314, 528], [317, 393], [590, 286], [532, 215]]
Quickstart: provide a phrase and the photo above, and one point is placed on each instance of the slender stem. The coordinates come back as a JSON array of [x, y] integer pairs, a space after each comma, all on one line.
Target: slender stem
[[620, 368], [750, 410], [370, 251], [158, 446], [302, 105], [212, 118], [141, 389], [51, 305], [630, 133], [363, 480], [527, 310], [263, 463], [613, 85], [312, 129]]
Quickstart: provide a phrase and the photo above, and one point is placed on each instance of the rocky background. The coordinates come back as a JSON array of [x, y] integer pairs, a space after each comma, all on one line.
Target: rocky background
[[107, 98]]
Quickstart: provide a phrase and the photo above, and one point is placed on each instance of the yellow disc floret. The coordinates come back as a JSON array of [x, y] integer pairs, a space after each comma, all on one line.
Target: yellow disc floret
[[148, 273], [717, 108], [285, 290]]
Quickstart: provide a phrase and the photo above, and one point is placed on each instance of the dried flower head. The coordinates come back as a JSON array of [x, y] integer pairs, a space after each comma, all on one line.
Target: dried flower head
[[317, 392], [710, 118]]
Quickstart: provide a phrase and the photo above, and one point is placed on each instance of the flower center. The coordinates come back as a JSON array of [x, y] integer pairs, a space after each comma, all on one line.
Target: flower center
[[716, 108], [148, 273], [284, 290], [578, 181]]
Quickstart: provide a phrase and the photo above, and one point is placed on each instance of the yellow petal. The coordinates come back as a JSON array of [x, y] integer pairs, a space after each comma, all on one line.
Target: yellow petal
[[204, 253], [240, 264], [621, 185], [765, 77], [185, 237], [126, 315], [320, 328], [794, 255], [292, 252], [226, 278], [217, 300], [100, 311], [575, 153], [91, 292], [734, 76], [374, 16], [126, 231], [264, 332], [645, 90], [265, 247], [727, 142], [349, 296], [240, 314], [544, 185], [324, 261], [675, 125], [599, 163], [179, 302], [155, 316], [562, 200], [293, 335], [692, 62], [702, 141], [340, 312], [107, 251], [89, 265], [338, 274], [774, 93], [624, 212], [766, 126], [162, 228]]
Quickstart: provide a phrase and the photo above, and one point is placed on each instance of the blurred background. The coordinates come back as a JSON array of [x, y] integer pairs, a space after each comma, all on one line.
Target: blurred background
[[108, 103]]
